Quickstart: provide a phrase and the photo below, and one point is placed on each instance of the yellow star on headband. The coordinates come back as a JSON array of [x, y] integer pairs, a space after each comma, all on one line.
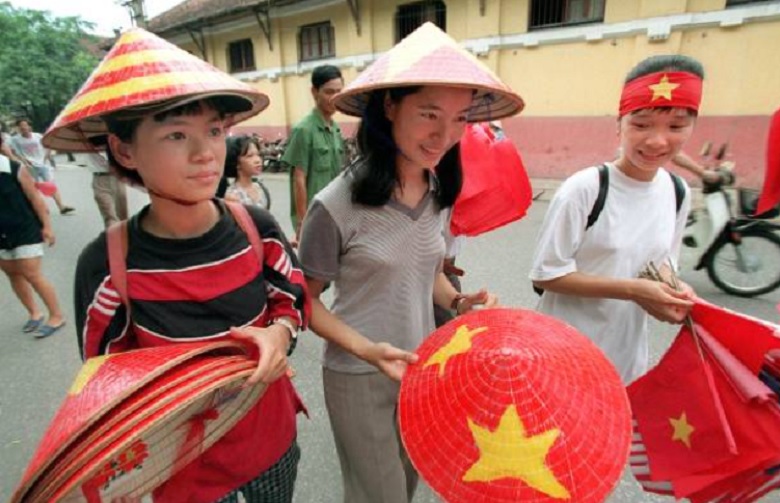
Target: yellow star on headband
[[459, 344], [682, 429], [663, 89], [509, 452]]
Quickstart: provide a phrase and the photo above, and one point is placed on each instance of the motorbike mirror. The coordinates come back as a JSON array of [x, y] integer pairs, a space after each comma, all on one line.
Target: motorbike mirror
[[705, 149]]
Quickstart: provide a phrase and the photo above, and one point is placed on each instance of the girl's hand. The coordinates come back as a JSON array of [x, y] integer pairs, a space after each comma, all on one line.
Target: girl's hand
[[662, 301], [272, 342], [390, 360], [481, 298], [48, 236]]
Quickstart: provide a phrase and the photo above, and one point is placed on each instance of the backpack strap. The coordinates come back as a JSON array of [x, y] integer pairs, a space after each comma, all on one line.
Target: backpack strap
[[116, 237], [679, 191], [598, 205], [244, 220]]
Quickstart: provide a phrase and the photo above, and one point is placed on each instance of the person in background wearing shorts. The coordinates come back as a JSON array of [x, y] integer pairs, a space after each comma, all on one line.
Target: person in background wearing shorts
[[24, 228], [27, 147]]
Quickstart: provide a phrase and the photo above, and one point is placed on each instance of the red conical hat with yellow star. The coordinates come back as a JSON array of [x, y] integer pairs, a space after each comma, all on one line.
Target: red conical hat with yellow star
[[510, 405], [101, 385], [141, 69], [430, 57]]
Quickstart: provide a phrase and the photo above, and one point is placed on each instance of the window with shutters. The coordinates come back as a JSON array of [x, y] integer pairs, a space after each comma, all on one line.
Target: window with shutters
[[241, 56], [556, 13], [410, 16], [316, 41]]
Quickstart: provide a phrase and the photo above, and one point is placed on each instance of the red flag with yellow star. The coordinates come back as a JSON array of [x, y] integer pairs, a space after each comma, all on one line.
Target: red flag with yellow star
[[705, 421], [680, 415]]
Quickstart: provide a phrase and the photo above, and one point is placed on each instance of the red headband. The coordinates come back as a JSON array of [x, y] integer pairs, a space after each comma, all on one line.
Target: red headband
[[661, 89]]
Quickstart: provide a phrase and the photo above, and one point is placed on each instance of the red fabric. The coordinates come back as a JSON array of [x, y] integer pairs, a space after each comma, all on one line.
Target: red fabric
[[659, 396], [46, 188], [661, 89], [729, 454], [770, 193], [496, 189], [748, 339]]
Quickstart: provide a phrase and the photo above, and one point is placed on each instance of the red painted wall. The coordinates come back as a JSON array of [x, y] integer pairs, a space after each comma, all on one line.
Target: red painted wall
[[555, 147]]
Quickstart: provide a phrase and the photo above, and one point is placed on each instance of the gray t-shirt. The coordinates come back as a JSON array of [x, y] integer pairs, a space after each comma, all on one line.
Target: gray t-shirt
[[382, 261]]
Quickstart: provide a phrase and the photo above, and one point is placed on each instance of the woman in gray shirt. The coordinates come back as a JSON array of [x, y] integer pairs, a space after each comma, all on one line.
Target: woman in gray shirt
[[375, 232]]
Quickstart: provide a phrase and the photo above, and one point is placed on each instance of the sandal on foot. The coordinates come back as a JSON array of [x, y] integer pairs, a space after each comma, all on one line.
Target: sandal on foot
[[47, 330], [32, 325]]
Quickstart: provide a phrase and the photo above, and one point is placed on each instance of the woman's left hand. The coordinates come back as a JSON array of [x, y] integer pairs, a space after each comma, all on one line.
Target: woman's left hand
[[272, 342], [481, 298]]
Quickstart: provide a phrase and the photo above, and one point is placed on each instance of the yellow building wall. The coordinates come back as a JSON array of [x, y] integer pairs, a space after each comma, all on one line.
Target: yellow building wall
[[556, 80]]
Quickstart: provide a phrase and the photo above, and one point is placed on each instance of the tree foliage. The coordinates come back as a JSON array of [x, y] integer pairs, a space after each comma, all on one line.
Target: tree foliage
[[44, 60]]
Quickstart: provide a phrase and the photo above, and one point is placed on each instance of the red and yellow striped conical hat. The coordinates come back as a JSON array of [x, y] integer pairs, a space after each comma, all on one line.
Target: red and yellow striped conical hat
[[430, 57], [141, 69]]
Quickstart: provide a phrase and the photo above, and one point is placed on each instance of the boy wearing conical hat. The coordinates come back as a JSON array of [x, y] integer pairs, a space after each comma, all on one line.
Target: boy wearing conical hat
[[190, 271]]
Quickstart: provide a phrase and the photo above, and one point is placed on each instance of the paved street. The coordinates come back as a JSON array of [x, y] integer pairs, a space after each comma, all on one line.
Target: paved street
[[36, 373]]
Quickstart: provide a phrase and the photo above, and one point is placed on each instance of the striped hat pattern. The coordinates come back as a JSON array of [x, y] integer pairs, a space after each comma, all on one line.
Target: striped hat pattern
[[430, 57], [141, 69]]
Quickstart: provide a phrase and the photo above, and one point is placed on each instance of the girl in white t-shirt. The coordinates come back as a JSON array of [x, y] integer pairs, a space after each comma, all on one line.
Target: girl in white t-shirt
[[589, 270]]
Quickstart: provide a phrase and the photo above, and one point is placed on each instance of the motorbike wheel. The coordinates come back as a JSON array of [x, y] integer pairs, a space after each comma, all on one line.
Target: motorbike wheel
[[749, 268]]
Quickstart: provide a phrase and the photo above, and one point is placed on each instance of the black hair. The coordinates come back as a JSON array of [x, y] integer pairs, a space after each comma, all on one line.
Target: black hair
[[375, 173], [666, 63], [124, 123], [237, 146], [20, 120], [324, 74]]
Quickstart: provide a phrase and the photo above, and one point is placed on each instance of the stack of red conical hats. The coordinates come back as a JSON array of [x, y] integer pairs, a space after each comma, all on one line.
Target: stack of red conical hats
[[510, 405], [132, 420]]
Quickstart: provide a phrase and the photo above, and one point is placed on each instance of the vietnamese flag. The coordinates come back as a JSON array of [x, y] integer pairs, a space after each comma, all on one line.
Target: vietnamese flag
[[679, 415], [770, 193]]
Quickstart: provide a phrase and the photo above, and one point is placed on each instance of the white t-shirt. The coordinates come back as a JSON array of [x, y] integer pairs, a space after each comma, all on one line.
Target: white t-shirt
[[638, 224], [30, 148]]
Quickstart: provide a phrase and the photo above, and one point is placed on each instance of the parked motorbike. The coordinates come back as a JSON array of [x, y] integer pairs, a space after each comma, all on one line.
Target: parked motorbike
[[272, 155], [740, 252]]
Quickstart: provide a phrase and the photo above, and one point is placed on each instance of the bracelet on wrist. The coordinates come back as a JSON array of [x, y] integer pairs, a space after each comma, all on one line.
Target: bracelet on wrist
[[456, 302]]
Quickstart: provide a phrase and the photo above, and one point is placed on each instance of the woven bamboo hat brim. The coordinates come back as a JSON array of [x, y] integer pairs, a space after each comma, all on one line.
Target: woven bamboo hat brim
[[167, 389], [102, 384], [143, 70], [510, 405], [161, 444], [430, 57]]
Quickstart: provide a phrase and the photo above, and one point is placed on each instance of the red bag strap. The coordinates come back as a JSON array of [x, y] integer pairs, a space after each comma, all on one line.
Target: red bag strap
[[244, 220], [117, 259]]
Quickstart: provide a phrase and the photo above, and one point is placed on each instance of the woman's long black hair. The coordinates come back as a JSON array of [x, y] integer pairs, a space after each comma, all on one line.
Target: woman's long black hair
[[375, 173]]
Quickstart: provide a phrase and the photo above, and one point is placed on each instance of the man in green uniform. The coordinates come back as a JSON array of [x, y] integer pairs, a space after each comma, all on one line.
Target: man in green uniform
[[315, 151]]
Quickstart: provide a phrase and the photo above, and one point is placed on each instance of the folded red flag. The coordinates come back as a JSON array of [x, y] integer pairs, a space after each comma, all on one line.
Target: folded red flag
[[496, 189], [680, 418], [770, 193], [728, 417]]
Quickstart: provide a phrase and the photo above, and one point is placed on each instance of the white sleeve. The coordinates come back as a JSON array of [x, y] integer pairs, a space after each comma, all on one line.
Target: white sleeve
[[563, 228]]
